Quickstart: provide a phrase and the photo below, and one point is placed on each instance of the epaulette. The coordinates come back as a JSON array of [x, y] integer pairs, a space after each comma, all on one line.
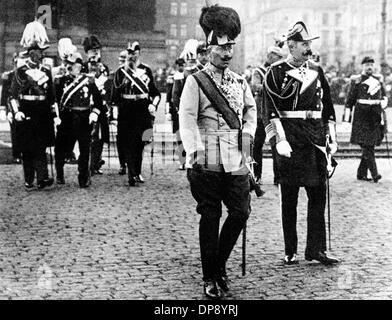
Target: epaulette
[[277, 63], [144, 65], [5, 75], [178, 76], [356, 78]]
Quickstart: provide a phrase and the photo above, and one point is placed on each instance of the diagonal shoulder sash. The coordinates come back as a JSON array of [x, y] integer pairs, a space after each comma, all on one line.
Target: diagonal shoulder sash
[[217, 99], [71, 89], [136, 81]]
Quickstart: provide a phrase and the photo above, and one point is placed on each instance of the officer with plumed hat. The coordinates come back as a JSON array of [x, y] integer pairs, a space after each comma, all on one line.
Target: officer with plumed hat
[[300, 121]]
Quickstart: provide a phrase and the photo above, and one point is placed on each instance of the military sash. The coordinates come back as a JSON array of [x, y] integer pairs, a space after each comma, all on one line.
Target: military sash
[[217, 99], [72, 88], [136, 81]]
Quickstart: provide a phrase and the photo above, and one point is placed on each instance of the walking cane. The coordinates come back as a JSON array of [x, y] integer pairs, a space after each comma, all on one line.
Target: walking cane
[[244, 250]]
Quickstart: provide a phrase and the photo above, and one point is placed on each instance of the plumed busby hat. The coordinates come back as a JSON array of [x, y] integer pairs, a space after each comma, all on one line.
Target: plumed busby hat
[[65, 47], [34, 37], [134, 46], [299, 32], [91, 43], [367, 60], [221, 25], [190, 50]]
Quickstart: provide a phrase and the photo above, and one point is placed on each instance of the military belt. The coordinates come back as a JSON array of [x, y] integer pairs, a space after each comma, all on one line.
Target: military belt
[[304, 114], [32, 97], [80, 108], [135, 96], [369, 102]]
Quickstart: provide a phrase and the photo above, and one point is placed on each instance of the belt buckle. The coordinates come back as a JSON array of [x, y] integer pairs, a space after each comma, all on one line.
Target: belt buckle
[[309, 114]]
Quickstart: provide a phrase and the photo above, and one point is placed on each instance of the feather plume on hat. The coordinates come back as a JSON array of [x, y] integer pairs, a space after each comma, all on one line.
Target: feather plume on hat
[[34, 36], [65, 47], [220, 24], [190, 49]]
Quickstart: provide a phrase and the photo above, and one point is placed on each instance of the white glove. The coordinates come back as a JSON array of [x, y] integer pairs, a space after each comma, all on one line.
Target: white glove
[[92, 118], [168, 117], [333, 147], [19, 116], [151, 109], [384, 103], [57, 121], [284, 149], [10, 117], [3, 115]]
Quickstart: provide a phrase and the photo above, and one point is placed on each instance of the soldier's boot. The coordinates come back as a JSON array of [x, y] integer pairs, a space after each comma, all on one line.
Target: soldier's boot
[[60, 175]]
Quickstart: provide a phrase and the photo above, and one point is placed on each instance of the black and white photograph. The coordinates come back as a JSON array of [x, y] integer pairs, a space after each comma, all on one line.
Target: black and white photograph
[[212, 151]]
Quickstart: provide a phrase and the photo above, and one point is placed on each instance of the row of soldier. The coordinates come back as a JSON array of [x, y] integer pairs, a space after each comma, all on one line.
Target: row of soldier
[[73, 103]]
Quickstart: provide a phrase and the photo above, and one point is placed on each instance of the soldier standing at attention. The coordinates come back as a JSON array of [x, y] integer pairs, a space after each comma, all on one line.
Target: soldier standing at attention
[[217, 124], [368, 95], [33, 103], [299, 114]]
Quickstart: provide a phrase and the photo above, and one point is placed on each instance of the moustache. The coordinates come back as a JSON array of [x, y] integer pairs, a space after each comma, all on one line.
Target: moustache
[[308, 52], [226, 59]]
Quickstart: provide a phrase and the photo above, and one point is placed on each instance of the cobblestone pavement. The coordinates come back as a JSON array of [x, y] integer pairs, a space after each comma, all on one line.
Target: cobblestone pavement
[[113, 242]]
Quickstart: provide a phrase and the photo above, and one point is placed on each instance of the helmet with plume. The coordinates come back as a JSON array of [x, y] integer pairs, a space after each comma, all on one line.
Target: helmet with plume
[[34, 37]]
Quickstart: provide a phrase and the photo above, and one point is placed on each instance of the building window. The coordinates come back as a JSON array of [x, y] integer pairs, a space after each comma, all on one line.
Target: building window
[[173, 8], [173, 30], [338, 18], [338, 39], [173, 52], [325, 18], [184, 30], [184, 9]]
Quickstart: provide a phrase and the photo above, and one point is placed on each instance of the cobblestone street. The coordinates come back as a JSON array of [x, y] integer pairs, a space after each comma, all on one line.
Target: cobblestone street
[[113, 242]]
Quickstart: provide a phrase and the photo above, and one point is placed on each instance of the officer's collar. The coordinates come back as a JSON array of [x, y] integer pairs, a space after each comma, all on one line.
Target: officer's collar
[[215, 69]]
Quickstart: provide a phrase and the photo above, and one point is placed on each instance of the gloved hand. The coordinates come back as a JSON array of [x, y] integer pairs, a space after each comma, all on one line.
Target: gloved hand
[[10, 117], [152, 109], [57, 121], [19, 116], [333, 147], [168, 117], [384, 103], [3, 115], [284, 148], [92, 118], [245, 145]]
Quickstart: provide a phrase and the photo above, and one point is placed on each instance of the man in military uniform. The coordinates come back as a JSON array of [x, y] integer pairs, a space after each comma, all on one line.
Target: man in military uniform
[[368, 95], [33, 103], [171, 111], [195, 58], [122, 58], [92, 47], [217, 123], [274, 54], [5, 108], [65, 48], [75, 92], [300, 115], [137, 98]]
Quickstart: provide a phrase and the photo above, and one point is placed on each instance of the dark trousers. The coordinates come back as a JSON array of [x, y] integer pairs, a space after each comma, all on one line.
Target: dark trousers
[[35, 162], [275, 164], [368, 162], [316, 234], [79, 130], [133, 151], [120, 149], [96, 149], [16, 153], [258, 150], [210, 189]]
